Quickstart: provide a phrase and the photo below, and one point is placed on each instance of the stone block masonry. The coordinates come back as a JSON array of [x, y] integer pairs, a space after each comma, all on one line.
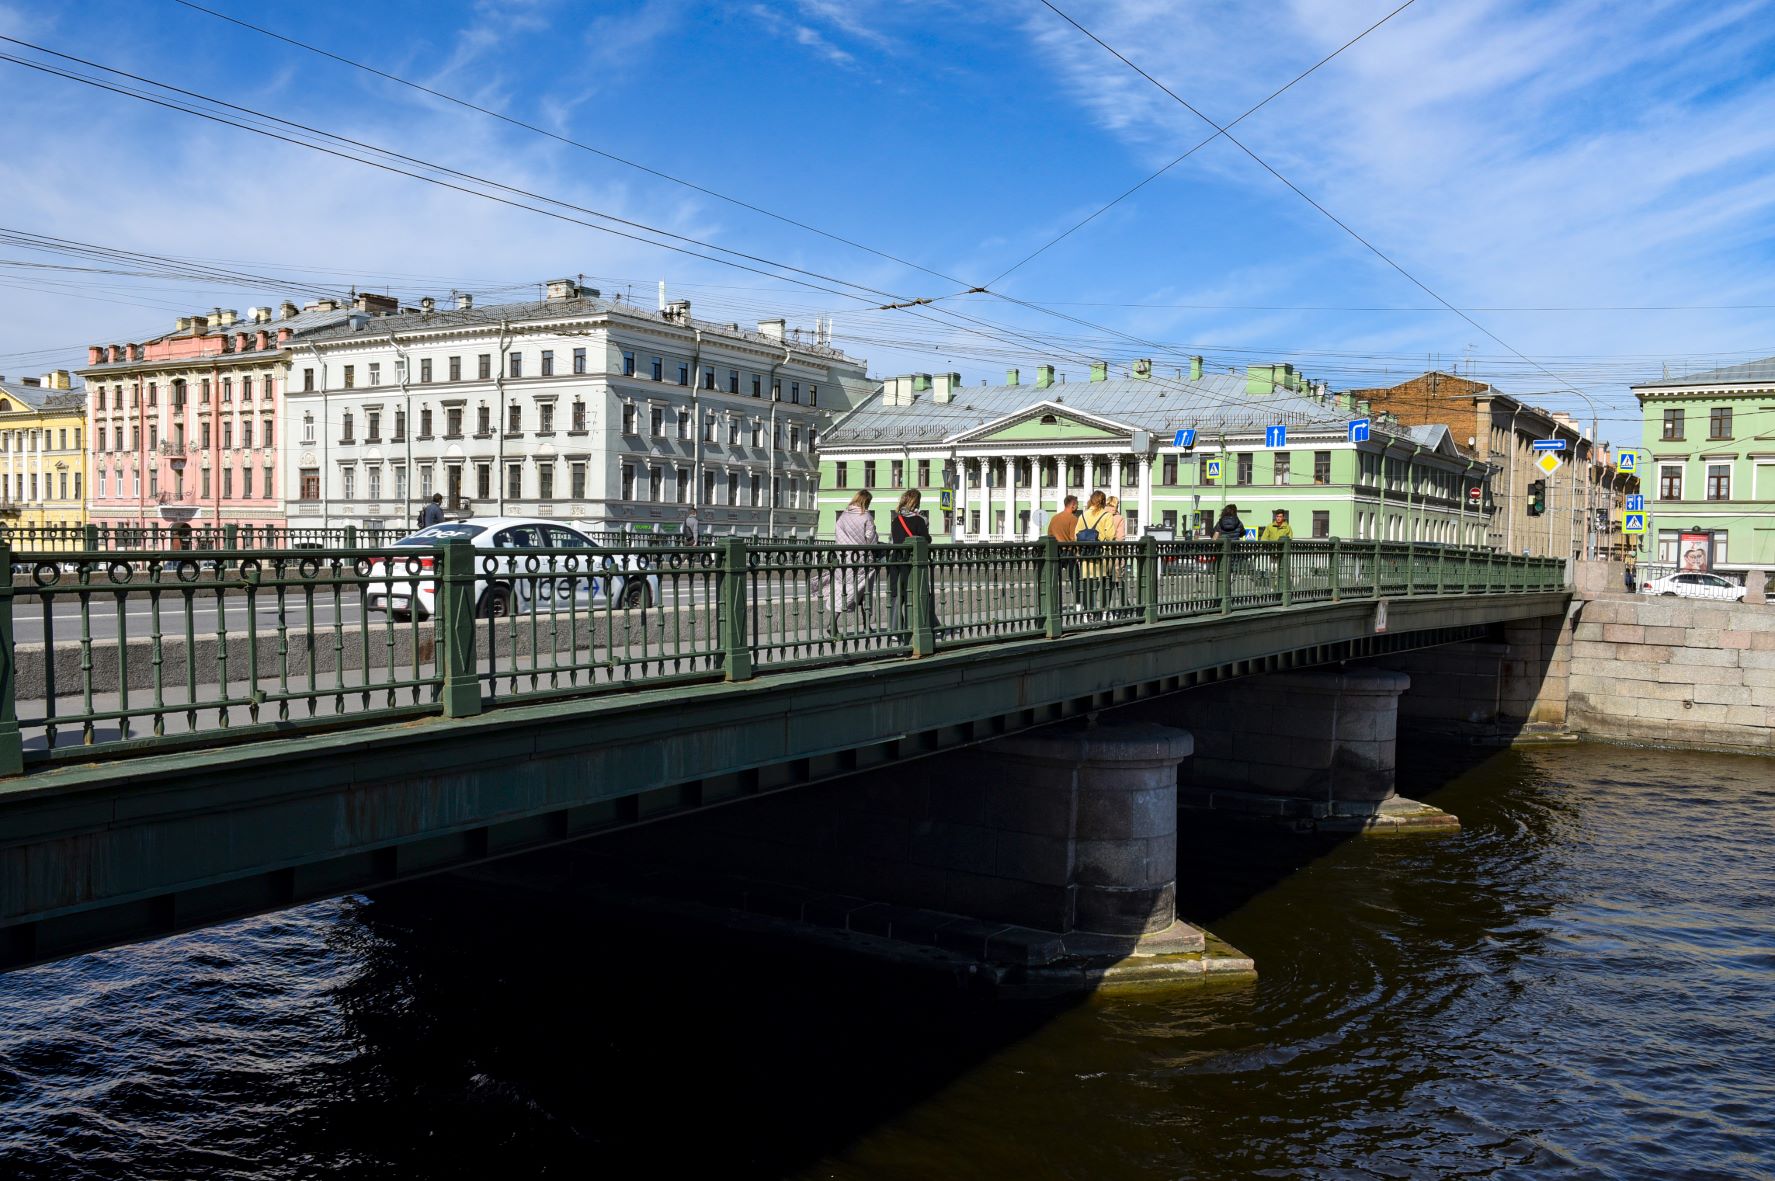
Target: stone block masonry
[[1677, 672]]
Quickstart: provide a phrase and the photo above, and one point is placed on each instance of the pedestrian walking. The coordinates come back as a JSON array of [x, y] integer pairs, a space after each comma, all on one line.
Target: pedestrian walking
[[907, 523], [433, 513], [1117, 565], [1229, 524], [1095, 524], [691, 527], [1063, 527], [1631, 576], [845, 585]]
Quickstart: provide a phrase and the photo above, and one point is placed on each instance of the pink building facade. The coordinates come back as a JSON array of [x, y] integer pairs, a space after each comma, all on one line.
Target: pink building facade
[[187, 428]]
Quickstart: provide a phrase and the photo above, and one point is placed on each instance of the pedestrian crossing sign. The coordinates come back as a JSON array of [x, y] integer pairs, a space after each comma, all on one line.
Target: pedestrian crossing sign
[[1628, 461], [946, 500], [1211, 471], [1633, 523]]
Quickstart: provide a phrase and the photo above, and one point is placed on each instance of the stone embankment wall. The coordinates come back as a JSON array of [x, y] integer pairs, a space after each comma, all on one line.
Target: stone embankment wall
[[1683, 672]]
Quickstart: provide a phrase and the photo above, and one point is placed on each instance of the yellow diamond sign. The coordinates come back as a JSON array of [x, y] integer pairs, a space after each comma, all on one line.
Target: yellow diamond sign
[[1548, 462]]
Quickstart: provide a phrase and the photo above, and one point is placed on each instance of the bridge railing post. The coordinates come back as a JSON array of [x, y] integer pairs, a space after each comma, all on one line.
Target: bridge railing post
[[1285, 572], [1050, 599], [1411, 567], [89, 539], [12, 744], [456, 629], [351, 537], [922, 598], [1337, 562], [1376, 588], [1226, 574], [730, 607], [1441, 563], [1149, 579]]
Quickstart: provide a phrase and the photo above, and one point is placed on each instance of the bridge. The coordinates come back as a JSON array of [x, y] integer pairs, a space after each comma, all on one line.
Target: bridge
[[196, 737]]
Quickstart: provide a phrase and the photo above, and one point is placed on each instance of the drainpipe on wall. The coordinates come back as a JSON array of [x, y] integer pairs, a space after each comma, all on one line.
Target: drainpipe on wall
[[696, 421], [505, 340], [775, 397], [406, 424]]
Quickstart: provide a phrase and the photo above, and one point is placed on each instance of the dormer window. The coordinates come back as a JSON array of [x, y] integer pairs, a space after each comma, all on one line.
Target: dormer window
[[1050, 420]]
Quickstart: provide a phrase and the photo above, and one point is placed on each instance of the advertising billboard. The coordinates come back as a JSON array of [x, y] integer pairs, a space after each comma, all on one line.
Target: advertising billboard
[[1694, 551]]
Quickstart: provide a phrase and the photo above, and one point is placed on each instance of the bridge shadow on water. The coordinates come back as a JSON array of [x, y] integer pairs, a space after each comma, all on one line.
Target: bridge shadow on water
[[510, 1031]]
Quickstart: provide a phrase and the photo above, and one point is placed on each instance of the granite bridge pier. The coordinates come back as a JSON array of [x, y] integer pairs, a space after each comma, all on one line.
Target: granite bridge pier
[[964, 764]]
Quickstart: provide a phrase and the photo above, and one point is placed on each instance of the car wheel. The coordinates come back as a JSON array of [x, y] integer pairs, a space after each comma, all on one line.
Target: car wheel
[[1667, 595], [496, 603], [635, 593]]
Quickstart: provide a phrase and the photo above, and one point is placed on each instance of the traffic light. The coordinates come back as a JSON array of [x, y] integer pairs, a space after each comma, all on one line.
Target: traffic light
[[1537, 497]]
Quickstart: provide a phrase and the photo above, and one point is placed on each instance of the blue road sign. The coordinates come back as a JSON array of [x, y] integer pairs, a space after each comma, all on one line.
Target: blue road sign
[[1549, 444], [1275, 436], [1628, 461], [1213, 471], [1636, 503], [946, 500], [1185, 437], [1633, 523], [1359, 430], [1250, 535]]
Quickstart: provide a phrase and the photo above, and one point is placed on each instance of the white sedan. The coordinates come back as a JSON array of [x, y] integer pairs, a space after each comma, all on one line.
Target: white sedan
[[1697, 586], [509, 581]]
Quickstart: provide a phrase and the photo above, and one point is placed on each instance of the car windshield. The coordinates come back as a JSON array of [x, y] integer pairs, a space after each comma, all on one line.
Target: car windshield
[[436, 534]]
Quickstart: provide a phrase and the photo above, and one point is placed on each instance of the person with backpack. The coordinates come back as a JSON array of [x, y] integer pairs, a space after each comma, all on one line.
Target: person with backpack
[[906, 524], [433, 513], [1096, 525]]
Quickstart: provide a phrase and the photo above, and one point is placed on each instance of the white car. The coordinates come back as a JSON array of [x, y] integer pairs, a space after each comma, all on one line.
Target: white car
[[509, 581], [1696, 586]]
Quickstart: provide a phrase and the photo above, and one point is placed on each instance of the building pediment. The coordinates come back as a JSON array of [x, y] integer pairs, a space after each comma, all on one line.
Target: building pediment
[[1044, 422]]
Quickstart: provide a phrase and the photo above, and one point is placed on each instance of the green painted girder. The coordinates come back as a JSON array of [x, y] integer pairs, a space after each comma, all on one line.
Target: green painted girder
[[98, 854]]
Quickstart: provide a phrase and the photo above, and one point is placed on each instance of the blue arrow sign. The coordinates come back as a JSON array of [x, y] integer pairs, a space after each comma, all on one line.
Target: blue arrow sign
[[1636, 503], [1359, 430], [1629, 461], [1185, 437], [1549, 444], [1275, 436]]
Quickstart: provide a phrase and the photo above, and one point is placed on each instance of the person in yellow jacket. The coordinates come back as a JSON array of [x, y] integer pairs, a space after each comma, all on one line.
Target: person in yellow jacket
[[1278, 528]]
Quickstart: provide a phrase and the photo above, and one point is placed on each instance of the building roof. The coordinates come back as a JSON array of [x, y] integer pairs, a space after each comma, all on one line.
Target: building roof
[[1759, 371], [489, 315], [44, 399], [306, 325], [1214, 402]]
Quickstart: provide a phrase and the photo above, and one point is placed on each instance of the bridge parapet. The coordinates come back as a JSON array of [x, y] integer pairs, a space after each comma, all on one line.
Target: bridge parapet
[[108, 653]]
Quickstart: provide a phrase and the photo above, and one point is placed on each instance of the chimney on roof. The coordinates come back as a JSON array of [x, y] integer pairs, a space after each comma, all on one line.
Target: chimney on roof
[[30, 381], [95, 354], [1044, 376], [287, 310], [117, 352], [284, 334], [678, 311], [1195, 369], [262, 338], [241, 341], [465, 302], [1143, 368], [1013, 377], [562, 289], [259, 315], [59, 379], [428, 305], [772, 329], [376, 305], [183, 324], [1100, 371], [944, 388]]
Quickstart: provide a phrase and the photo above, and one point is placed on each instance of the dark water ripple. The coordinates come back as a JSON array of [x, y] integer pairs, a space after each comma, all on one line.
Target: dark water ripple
[[1581, 985]]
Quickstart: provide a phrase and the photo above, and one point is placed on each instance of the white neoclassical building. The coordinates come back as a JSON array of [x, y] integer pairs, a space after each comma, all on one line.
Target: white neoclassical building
[[574, 407]]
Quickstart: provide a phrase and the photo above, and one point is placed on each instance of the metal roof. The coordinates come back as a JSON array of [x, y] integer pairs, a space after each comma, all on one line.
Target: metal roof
[[1758, 371], [44, 398], [1215, 402]]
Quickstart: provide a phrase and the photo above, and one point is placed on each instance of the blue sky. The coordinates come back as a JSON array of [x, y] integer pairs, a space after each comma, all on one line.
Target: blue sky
[[1586, 155]]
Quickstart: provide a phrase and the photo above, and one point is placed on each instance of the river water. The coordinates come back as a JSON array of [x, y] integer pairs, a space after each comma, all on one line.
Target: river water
[[1582, 984]]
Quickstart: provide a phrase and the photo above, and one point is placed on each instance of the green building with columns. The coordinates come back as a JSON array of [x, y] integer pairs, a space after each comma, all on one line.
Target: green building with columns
[[1009, 454], [1707, 454]]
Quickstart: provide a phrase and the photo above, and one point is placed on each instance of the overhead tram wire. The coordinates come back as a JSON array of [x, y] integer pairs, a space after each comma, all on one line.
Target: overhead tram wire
[[967, 323], [568, 140], [251, 113], [1298, 191], [1275, 94], [435, 93]]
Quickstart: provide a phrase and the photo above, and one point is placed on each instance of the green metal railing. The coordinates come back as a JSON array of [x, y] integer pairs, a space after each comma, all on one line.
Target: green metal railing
[[74, 539], [105, 652]]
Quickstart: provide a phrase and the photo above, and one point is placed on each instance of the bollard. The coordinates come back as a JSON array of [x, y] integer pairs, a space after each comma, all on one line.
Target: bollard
[[1226, 575]]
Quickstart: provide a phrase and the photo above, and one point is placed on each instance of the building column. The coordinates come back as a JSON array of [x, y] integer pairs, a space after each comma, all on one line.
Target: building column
[[1010, 497], [961, 498]]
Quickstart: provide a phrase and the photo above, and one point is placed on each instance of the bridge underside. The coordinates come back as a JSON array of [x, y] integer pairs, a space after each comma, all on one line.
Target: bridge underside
[[92, 856]]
